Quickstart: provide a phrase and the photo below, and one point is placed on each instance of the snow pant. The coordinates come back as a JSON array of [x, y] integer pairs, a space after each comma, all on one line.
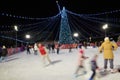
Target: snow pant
[[106, 62], [45, 57], [78, 68]]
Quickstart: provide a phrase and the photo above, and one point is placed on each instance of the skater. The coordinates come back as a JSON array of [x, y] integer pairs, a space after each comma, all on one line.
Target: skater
[[81, 59], [85, 45], [28, 49], [35, 49], [44, 53], [49, 47], [4, 53], [117, 69], [58, 48], [53, 47], [94, 67], [107, 47], [70, 48]]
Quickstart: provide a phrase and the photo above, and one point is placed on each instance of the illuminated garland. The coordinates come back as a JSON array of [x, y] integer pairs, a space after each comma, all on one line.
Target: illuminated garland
[[23, 17], [13, 39], [104, 13]]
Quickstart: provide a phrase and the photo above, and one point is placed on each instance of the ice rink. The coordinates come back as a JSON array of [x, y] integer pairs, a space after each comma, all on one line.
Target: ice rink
[[21, 66]]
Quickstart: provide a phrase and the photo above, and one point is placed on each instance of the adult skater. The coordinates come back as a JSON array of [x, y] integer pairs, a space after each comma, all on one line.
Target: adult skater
[[28, 49], [35, 49], [4, 53], [107, 47], [44, 53]]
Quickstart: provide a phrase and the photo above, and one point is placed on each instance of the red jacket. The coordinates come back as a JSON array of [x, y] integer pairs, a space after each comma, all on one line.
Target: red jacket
[[42, 50]]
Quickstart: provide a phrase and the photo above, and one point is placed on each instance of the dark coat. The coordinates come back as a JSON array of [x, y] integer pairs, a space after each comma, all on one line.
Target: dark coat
[[4, 52]]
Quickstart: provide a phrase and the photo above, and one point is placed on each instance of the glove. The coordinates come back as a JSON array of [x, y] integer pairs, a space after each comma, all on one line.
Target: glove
[[100, 51]]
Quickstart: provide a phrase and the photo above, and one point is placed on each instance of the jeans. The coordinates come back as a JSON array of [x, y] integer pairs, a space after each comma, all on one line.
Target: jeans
[[106, 62]]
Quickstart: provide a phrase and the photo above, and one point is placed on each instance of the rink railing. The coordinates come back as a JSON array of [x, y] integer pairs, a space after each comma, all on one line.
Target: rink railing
[[67, 46], [14, 50]]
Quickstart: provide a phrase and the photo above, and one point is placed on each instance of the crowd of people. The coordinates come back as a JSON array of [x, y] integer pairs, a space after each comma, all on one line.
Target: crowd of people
[[107, 48]]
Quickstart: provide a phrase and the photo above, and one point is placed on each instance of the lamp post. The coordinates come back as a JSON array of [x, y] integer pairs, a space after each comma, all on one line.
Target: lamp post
[[76, 35], [90, 39], [105, 27], [27, 36], [16, 29]]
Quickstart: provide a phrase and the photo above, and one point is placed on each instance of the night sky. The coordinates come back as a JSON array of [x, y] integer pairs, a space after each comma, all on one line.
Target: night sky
[[46, 8], [49, 8]]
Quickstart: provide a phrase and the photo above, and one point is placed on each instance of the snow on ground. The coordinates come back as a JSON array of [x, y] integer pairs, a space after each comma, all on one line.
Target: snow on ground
[[29, 67]]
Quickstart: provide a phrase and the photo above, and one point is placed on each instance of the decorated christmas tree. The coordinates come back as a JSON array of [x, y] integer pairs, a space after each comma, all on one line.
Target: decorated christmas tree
[[65, 36]]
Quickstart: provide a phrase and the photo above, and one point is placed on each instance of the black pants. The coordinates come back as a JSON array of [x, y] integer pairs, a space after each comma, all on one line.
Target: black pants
[[58, 51], [28, 52], [93, 74]]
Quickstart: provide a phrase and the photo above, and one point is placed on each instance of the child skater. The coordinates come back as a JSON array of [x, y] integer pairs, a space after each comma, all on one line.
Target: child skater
[[81, 59], [94, 67], [117, 69]]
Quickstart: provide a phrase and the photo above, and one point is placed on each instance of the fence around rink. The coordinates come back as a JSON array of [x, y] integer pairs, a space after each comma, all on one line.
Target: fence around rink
[[67, 46], [12, 51]]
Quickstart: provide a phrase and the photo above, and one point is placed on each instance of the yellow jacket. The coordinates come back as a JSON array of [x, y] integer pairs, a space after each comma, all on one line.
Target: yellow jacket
[[107, 47]]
